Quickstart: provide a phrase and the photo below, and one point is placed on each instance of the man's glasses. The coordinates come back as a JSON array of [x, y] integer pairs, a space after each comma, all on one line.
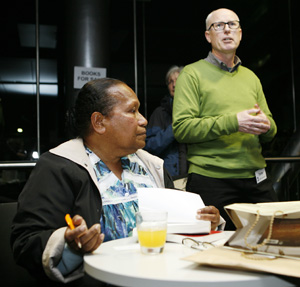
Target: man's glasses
[[220, 26]]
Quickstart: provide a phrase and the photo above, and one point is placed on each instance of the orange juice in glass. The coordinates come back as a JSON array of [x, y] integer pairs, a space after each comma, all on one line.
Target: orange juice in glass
[[152, 231]]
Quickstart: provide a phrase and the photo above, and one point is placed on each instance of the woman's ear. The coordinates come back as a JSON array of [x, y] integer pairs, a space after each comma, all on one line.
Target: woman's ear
[[97, 122]]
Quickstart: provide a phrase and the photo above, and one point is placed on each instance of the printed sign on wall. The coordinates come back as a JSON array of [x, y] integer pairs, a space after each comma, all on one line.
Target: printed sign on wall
[[83, 75]]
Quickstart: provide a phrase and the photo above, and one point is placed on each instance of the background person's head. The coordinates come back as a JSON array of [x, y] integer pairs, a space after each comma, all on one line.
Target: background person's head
[[223, 31], [171, 78]]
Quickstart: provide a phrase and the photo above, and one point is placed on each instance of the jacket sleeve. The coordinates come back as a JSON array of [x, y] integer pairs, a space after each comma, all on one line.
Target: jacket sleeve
[[56, 248], [159, 133], [168, 179], [48, 195], [158, 140]]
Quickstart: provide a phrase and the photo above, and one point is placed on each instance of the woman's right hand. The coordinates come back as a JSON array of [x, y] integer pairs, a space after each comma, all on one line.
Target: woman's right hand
[[83, 239]]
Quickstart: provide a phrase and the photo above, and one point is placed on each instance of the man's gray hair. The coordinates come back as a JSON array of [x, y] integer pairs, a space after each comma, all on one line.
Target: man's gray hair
[[171, 71]]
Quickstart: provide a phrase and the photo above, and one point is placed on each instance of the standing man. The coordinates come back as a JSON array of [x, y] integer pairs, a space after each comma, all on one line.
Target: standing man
[[160, 140], [221, 112]]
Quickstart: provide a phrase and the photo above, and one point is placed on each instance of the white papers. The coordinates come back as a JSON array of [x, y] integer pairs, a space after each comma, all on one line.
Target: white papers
[[180, 205]]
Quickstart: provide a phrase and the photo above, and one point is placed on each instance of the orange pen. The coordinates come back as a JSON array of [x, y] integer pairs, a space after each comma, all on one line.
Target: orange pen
[[71, 225]]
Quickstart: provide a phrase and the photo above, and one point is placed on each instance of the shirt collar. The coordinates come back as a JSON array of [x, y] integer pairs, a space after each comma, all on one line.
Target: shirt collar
[[211, 58], [95, 160]]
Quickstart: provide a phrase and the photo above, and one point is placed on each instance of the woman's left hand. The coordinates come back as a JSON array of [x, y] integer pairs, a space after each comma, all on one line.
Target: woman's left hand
[[211, 214]]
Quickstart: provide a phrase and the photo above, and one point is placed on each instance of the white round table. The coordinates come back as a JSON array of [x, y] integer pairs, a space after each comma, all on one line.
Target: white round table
[[121, 263]]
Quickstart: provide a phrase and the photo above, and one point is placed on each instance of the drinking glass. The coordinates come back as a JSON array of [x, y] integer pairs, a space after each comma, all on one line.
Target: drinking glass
[[152, 231]]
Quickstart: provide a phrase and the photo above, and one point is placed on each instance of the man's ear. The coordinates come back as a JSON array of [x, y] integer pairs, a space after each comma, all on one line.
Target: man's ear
[[207, 36], [97, 122]]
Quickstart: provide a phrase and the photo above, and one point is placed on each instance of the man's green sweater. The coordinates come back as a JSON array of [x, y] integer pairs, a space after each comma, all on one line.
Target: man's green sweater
[[206, 102]]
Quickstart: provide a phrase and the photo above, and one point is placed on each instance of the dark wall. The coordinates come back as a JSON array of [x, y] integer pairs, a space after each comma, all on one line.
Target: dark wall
[[168, 32]]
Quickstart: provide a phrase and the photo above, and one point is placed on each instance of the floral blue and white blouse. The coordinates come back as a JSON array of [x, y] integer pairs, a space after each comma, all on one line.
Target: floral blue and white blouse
[[119, 197]]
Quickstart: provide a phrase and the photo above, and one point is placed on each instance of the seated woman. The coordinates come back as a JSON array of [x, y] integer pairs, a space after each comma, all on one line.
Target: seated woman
[[94, 178]]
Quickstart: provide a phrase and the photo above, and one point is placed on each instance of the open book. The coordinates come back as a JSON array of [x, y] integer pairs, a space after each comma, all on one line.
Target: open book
[[180, 205]]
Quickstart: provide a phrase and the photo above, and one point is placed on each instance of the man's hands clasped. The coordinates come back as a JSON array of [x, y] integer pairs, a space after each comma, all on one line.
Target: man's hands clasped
[[253, 121]]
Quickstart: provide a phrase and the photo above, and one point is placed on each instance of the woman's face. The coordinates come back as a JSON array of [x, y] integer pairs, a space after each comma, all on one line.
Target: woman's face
[[172, 83], [125, 126]]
